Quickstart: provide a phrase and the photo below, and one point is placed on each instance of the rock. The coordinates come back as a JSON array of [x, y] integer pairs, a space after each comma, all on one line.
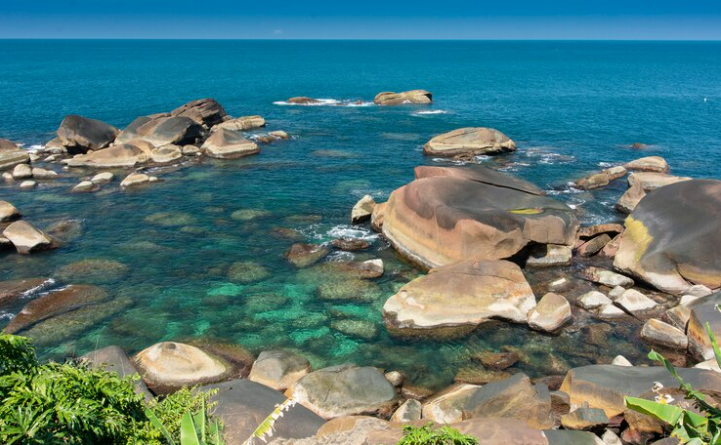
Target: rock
[[303, 100], [703, 311], [585, 419], [362, 269], [593, 246], [477, 375], [593, 300], [55, 146], [610, 249], [421, 97], [279, 369], [176, 130], [226, 144], [630, 199], [41, 173], [550, 314], [633, 301], [114, 359], [134, 180], [241, 123], [28, 185], [206, 112], [605, 277], [409, 411], [84, 186], [123, 155], [560, 285], [616, 292], [137, 128], [27, 238], [710, 364], [249, 214], [344, 390], [102, 178], [648, 164], [279, 134], [469, 141], [651, 181], [190, 150], [166, 154], [480, 174], [587, 232], [247, 272], [620, 360], [242, 405], [395, 378], [659, 333], [461, 296], [605, 386], [601, 179], [377, 217], [496, 361], [503, 400], [7, 177], [8, 212], [448, 405], [168, 366], [79, 134], [93, 270], [347, 244], [673, 250], [560, 403], [355, 289], [609, 311], [440, 220], [550, 255], [304, 255], [363, 209], [54, 304], [11, 291], [22, 171], [12, 155], [363, 329]]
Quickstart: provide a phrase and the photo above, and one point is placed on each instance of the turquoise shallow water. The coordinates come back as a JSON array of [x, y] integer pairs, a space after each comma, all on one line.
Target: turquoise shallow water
[[570, 106]]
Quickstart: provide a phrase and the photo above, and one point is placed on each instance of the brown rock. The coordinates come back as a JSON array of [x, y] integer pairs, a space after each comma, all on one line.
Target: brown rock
[[594, 245], [469, 141], [421, 97]]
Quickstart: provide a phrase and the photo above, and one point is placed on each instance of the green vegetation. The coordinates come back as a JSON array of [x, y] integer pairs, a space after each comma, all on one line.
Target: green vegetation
[[426, 435], [71, 403], [686, 426]]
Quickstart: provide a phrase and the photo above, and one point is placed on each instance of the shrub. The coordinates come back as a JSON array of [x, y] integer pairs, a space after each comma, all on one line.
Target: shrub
[[426, 435]]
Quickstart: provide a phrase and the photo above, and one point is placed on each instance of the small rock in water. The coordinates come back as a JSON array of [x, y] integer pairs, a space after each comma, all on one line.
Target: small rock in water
[[279, 134], [41, 173], [134, 179], [28, 184], [304, 255], [550, 255], [662, 334], [27, 238], [22, 171], [610, 311], [606, 277], [634, 301], [496, 361], [366, 330], [620, 360], [477, 375], [593, 300], [593, 246], [350, 244], [363, 209], [102, 178], [190, 150], [84, 187], [8, 212], [649, 164], [550, 314], [8, 177]]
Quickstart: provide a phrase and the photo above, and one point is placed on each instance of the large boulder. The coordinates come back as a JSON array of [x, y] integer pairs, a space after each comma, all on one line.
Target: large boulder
[[79, 134], [279, 369], [137, 129], [54, 304], [242, 405], [448, 405], [439, 220], [703, 311], [226, 144], [114, 359], [470, 141], [672, 237], [650, 181], [648, 164], [460, 297], [421, 97], [480, 174], [344, 390], [27, 238], [12, 155], [168, 366], [241, 123], [177, 130], [115, 156], [206, 112]]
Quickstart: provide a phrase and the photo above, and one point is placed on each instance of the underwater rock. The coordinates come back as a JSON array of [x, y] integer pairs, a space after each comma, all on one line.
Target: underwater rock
[[66, 230], [79, 134], [348, 289], [249, 214], [469, 141], [93, 271], [12, 290], [279, 369], [496, 361], [362, 329], [247, 272], [420, 97], [171, 219], [27, 238], [477, 375], [304, 255]]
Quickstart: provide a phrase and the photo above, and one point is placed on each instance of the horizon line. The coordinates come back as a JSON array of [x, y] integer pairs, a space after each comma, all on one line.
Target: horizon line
[[353, 40]]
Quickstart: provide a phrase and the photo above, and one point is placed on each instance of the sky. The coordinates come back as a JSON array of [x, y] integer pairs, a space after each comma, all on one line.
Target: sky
[[368, 19]]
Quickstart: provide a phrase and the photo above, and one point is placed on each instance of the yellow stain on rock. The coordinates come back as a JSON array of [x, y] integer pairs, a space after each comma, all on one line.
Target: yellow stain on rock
[[526, 211], [637, 233]]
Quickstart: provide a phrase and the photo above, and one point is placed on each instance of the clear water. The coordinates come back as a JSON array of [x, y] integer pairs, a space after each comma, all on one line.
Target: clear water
[[570, 106]]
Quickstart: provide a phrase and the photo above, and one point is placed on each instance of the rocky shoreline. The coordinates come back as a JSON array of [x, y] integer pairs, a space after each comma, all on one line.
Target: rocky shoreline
[[476, 231]]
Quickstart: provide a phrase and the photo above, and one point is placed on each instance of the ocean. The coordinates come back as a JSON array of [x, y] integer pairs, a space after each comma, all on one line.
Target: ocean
[[571, 107]]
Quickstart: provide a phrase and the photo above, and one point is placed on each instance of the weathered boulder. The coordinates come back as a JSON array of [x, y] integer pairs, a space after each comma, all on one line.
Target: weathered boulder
[[123, 155], [206, 112], [26, 185], [12, 155], [241, 123], [648, 164], [362, 210], [671, 237], [134, 180], [610, 229], [469, 141], [133, 131], [79, 134], [84, 187], [43, 173], [633, 301], [166, 154], [703, 311], [435, 221], [594, 245], [226, 144], [593, 300], [460, 297], [662, 334], [102, 178], [114, 359], [11, 291], [27, 238], [605, 386], [7, 145], [350, 244], [361, 269], [549, 255], [601, 179], [448, 405], [176, 130], [168, 366], [550, 314], [630, 199], [409, 411], [421, 97], [55, 303], [585, 419], [8, 212], [480, 174], [605, 277], [344, 390], [650, 181], [304, 255], [22, 171], [279, 369]]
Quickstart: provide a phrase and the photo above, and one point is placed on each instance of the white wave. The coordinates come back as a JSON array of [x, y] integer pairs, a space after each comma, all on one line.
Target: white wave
[[340, 256], [346, 231], [429, 112], [5, 315], [328, 102], [41, 289], [449, 161], [36, 147]]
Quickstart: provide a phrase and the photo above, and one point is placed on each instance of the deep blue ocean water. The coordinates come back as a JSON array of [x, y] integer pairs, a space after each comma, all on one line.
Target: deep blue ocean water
[[572, 108]]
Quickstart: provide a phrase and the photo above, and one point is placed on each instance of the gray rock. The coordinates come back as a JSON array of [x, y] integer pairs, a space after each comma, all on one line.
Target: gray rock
[[114, 359], [585, 419], [279, 369], [634, 301], [79, 134], [409, 411], [662, 334]]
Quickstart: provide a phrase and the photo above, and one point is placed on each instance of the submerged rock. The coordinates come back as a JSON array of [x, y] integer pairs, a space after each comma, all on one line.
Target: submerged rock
[[671, 249], [11, 291], [496, 361], [79, 134], [421, 97], [350, 244], [304, 255], [469, 141], [247, 272], [441, 220], [27, 238], [226, 144], [366, 330], [279, 369], [344, 390], [93, 271], [460, 296]]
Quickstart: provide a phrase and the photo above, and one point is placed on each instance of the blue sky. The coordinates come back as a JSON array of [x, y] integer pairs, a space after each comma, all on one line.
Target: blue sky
[[369, 19]]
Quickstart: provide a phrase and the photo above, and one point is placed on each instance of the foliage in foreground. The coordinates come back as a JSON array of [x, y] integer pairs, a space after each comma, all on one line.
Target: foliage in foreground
[[426, 435], [71, 403], [686, 426]]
